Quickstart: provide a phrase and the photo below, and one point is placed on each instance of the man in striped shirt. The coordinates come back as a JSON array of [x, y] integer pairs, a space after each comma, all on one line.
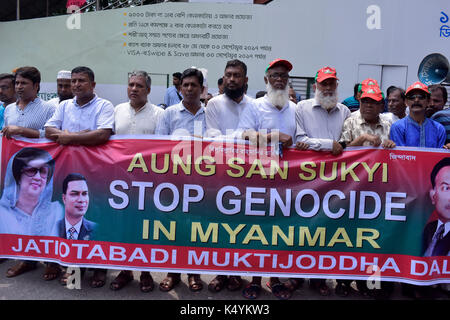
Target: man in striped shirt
[[26, 118]]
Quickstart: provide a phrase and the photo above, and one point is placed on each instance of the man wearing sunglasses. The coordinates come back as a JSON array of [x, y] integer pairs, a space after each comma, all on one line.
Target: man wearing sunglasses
[[416, 130]]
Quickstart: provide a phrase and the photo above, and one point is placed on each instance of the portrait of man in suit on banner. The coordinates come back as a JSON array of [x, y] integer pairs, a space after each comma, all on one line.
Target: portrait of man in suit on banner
[[436, 236], [75, 197]]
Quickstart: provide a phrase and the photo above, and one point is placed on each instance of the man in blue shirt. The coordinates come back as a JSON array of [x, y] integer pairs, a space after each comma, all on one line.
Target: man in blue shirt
[[416, 130], [353, 102], [173, 94]]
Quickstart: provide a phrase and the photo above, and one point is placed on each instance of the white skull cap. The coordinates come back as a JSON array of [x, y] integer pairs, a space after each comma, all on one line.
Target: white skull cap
[[64, 74]]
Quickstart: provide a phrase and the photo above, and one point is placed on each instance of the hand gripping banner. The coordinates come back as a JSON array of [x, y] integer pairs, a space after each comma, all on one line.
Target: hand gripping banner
[[226, 208]]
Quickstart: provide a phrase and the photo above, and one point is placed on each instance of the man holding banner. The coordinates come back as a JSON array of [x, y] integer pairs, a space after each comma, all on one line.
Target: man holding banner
[[320, 119], [222, 118], [319, 127], [436, 233], [186, 118], [223, 111], [28, 115], [416, 130], [270, 119], [84, 120], [368, 128], [138, 116], [27, 118]]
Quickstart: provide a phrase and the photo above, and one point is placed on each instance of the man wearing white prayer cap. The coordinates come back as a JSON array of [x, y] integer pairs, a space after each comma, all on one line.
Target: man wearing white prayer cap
[[63, 87]]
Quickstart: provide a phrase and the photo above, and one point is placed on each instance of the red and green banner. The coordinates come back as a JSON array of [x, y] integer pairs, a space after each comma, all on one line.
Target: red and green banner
[[225, 208]]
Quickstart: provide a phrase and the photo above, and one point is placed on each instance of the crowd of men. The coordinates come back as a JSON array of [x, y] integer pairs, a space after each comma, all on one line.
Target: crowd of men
[[415, 117]]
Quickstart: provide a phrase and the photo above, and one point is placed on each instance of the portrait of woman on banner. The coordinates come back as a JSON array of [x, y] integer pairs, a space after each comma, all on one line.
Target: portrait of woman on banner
[[25, 205]]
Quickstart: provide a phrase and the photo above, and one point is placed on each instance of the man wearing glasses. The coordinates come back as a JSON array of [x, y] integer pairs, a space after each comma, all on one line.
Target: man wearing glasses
[[272, 117], [416, 130], [269, 119]]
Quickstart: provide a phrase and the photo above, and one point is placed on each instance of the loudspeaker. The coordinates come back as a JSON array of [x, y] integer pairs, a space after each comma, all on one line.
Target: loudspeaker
[[434, 69]]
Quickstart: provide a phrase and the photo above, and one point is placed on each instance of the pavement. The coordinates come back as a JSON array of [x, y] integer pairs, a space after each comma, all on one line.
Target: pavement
[[31, 286]]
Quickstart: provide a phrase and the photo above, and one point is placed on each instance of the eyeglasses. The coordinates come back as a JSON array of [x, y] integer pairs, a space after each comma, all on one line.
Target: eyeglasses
[[414, 96], [283, 76], [31, 171]]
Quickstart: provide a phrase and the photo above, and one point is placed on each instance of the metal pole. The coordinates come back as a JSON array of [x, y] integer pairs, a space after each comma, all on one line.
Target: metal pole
[[18, 10], [97, 5]]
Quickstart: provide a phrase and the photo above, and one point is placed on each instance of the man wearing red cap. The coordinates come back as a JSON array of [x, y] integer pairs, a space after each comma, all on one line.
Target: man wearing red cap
[[319, 126], [270, 118], [319, 120], [273, 114], [368, 128], [416, 130]]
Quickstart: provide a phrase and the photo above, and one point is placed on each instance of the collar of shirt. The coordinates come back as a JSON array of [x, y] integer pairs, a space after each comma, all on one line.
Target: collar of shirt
[[245, 99], [34, 101], [411, 120], [446, 227], [145, 106], [76, 226], [183, 108], [360, 121], [85, 105]]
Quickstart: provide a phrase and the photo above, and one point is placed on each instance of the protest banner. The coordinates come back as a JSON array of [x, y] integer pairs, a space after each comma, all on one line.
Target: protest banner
[[228, 208]]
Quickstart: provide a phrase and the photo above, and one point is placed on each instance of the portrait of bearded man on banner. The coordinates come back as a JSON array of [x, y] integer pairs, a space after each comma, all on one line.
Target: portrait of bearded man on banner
[[25, 205]]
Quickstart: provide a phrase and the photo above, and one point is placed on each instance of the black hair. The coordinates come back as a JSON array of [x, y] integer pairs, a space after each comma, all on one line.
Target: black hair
[[393, 89], [441, 164], [30, 73], [356, 89], [25, 155], [260, 94], [9, 76], [177, 75], [71, 177], [86, 70], [192, 72], [435, 87], [237, 63]]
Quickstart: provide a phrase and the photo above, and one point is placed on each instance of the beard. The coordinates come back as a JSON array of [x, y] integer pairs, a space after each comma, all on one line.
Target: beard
[[234, 93], [328, 102], [278, 97]]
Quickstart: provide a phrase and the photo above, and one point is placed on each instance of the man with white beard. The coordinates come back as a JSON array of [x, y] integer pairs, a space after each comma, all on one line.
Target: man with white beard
[[319, 127], [271, 118], [320, 119]]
